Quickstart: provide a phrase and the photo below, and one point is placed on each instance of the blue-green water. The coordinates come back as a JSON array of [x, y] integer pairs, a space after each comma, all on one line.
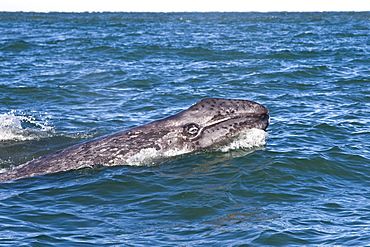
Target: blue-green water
[[67, 78]]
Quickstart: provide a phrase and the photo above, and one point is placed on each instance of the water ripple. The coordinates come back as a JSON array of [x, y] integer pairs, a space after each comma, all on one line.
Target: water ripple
[[69, 77]]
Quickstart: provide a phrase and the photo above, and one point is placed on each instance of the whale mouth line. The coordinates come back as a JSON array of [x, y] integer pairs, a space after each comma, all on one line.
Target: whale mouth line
[[258, 121], [253, 118]]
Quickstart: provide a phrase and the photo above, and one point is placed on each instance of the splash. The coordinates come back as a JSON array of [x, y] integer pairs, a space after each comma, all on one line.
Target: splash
[[19, 127]]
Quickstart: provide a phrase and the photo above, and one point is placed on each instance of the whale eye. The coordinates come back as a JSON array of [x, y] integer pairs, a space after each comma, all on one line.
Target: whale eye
[[191, 129]]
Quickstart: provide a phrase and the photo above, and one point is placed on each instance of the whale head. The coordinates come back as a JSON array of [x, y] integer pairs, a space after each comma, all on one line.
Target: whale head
[[208, 123]]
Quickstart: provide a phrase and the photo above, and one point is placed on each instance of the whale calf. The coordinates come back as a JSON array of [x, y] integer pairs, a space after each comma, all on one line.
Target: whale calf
[[209, 122]]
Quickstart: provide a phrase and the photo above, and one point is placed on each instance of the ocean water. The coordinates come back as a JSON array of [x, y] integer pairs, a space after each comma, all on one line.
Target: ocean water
[[67, 78]]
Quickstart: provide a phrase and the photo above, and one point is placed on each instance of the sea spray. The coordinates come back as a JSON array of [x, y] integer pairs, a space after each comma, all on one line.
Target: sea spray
[[20, 127]]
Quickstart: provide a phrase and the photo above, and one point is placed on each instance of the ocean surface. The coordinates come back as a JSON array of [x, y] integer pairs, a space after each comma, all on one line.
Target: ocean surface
[[69, 77]]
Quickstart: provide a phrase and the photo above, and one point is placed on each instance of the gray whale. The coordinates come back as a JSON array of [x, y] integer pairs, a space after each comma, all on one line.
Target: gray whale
[[209, 122]]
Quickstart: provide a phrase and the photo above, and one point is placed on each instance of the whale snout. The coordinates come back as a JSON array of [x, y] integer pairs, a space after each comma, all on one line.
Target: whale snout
[[265, 120], [260, 115]]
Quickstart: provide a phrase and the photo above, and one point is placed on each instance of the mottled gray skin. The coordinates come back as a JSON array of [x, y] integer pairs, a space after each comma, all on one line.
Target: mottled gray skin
[[204, 124]]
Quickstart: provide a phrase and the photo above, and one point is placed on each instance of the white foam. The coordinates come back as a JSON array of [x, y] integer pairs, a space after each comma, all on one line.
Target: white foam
[[246, 139], [145, 156], [19, 127], [149, 156]]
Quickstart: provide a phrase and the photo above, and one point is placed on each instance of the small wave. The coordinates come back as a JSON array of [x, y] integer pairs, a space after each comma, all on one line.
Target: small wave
[[19, 127], [16, 46]]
